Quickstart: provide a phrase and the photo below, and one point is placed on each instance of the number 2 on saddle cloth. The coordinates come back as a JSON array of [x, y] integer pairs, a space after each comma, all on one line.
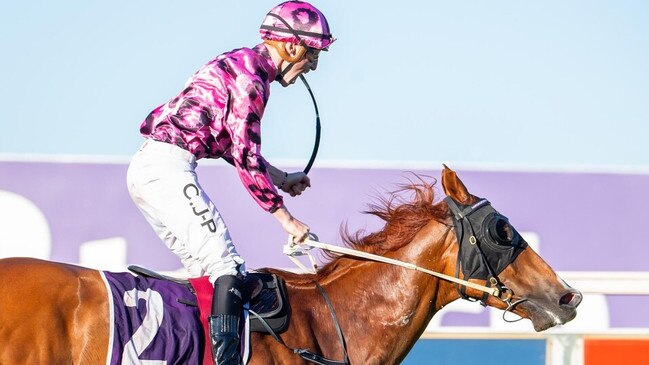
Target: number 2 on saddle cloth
[[158, 319]]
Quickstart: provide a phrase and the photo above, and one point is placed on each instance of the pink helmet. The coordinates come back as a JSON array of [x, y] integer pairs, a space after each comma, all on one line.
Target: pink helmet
[[297, 22]]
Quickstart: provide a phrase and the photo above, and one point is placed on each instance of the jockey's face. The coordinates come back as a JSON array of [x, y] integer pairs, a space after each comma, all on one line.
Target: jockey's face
[[308, 62]]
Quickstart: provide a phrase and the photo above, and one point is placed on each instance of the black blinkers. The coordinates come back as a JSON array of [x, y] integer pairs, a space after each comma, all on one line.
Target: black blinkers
[[488, 243]]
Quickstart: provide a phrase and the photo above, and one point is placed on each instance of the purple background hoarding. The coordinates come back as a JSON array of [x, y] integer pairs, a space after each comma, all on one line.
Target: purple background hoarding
[[584, 221]]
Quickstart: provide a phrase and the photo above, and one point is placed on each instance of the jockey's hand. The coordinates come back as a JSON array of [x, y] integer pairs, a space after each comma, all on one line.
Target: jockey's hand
[[291, 225], [296, 183]]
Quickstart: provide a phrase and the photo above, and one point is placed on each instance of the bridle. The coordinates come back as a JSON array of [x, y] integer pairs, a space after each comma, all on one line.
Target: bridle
[[496, 288], [481, 214], [472, 247]]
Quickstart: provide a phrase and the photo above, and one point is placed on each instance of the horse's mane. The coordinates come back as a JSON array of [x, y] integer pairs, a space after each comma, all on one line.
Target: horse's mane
[[403, 219]]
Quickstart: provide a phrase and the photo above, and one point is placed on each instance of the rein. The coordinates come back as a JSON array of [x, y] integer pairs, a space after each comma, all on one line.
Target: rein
[[496, 288], [292, 250]]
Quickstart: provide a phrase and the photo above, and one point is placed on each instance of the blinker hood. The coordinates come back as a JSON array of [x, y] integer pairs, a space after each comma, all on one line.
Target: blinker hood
[[488, 243]]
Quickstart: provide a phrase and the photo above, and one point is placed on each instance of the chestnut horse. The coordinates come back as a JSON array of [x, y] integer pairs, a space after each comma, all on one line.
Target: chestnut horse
[[52, 313]]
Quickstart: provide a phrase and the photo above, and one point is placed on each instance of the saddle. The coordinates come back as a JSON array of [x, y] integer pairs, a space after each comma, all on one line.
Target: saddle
[[264, 291]]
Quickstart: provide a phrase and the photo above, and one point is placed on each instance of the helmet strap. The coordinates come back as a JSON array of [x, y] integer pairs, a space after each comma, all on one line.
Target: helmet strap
[[282, 73]]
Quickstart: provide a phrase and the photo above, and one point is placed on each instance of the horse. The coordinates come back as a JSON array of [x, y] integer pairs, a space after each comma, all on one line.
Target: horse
[[372, 312]]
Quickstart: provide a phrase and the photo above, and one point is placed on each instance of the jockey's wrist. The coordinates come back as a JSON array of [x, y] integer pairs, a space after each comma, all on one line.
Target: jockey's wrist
[[282, 215], [277, 176], [283, 182]]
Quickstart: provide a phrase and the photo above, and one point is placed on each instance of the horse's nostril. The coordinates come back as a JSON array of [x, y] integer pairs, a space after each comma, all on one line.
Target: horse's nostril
[[571, 299]]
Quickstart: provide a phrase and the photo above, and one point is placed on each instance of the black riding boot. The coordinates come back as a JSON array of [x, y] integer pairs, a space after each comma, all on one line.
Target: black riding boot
[[227, 305]]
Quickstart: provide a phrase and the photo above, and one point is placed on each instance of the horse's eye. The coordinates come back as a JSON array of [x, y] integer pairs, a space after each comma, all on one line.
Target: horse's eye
[[502, 232]]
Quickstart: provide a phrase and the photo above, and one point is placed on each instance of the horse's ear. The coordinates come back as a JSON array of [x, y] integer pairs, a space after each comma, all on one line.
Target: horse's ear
[[454, 187]]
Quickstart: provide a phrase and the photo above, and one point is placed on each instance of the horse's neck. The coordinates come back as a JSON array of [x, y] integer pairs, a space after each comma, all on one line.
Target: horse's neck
[[394, 303], [431, 249]]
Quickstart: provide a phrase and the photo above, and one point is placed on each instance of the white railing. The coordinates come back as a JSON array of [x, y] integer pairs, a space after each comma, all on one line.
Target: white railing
[[611, 283]]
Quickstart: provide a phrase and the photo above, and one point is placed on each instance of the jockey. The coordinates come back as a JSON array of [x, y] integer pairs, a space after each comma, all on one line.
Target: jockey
[[218, 115]]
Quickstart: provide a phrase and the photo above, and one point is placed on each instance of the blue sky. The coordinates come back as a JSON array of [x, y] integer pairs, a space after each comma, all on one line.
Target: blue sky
[[550, 83]]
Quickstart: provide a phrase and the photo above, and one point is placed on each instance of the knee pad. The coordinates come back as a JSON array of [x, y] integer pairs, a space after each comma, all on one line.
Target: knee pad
[[228, 295]]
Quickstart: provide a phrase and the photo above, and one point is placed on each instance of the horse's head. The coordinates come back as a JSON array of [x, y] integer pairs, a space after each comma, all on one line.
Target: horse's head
[[491, 250]]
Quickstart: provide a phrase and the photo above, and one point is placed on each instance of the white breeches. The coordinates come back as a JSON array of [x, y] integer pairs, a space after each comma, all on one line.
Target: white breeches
[[164, 186]]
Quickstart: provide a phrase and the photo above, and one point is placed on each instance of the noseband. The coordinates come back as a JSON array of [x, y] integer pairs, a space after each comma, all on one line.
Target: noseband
[[487, 245]]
